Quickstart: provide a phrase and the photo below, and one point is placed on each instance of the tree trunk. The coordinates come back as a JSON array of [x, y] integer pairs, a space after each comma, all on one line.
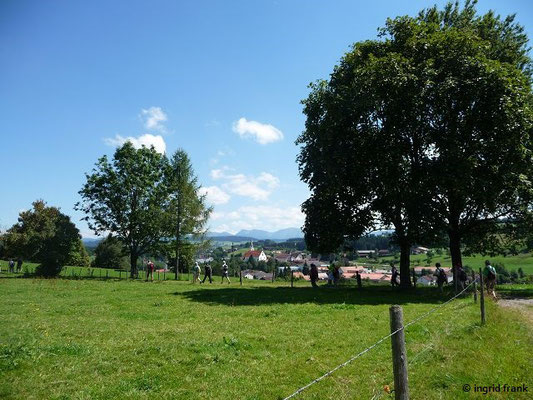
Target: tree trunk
[[405, 256], [133, 264]]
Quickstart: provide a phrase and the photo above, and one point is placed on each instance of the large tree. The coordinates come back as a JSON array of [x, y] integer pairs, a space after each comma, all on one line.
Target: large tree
[[477, 111], [426, 130], [187, 214], [44, 235], [127, 197]]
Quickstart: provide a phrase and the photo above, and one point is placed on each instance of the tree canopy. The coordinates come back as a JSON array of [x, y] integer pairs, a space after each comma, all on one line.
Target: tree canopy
[[426, 130], [186, 215], [44, 235], [126, 197], [149, 203]]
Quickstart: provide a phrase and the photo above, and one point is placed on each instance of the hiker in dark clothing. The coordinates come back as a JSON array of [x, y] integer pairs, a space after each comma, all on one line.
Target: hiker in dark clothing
[[19, 264], [490, 279], [11, 266], [150, 270], [336, 275], [358, 278], [441, 276], [461, 277], [208, 273], [394, 276], [314, 275]]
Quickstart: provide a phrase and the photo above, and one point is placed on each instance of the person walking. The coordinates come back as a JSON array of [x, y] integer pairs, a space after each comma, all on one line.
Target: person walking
[[358, 278], [19, 264], [11, 265], [461, 277], [490, 279], [208, 273], [196, 271], [150, 270], [225, 273], [313, 274], [394, 276], [336, 275], [441, 276]]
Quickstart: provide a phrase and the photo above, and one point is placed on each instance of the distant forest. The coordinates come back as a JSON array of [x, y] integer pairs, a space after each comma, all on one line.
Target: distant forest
[[371, 242]]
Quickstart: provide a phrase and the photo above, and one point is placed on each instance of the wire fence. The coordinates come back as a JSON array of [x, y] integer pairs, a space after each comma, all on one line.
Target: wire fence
[[94, 273], [356, 356]]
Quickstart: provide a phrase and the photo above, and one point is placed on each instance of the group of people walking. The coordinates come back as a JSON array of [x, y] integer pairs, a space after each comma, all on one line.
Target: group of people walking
[[13, 268], [208, 273], [459, 273]]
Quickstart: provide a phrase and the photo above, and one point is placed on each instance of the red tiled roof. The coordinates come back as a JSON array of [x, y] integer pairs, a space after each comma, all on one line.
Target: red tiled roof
[[254, 253]]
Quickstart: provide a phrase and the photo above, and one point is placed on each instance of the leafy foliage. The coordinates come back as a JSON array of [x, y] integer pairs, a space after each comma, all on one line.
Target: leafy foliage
[[426, 130], [127, 197], [43, 235], [186, 215], [110, 253]]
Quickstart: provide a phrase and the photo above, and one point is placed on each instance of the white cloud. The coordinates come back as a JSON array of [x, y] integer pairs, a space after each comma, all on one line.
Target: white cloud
[[215, 195], [262, 133], [146, 140], [153, 118], [270, 218], [257, 188]]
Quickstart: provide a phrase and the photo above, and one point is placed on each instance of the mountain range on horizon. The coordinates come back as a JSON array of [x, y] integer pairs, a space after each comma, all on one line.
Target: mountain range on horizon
[[282, 234]]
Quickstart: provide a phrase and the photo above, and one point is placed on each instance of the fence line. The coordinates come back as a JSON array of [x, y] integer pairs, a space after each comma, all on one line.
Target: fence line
[[375, 344]]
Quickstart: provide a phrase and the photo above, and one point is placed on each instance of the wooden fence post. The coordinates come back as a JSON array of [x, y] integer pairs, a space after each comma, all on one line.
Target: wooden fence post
[[240, 275], [399, 354], [292, 278], [475, 286], [481, 297]]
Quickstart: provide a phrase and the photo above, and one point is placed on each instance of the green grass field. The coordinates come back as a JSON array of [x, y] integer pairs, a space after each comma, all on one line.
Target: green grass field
[[102, 339]]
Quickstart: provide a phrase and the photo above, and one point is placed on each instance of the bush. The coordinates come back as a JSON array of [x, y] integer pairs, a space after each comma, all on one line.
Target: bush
[[48, 269]]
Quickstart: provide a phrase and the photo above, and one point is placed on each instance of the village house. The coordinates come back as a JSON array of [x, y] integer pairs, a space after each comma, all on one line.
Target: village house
[[349, 272], [426, 280], [258, 255], [430, 270], [256, 274], [419, 250], [375, 277], [297, 257], [203, 260], [282, 257], [366, 253]]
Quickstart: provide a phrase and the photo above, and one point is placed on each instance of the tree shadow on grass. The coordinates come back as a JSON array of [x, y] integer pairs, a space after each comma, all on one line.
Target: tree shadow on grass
[[265, 295]]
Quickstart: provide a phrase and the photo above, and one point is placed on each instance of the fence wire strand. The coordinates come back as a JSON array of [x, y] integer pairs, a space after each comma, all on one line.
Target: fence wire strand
[[377, 343]]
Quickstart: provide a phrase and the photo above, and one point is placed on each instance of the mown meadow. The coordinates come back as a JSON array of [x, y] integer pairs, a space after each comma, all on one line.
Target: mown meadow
[[102, 339]]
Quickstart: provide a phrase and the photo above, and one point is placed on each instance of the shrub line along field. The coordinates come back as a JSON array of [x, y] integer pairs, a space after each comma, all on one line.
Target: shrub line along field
[[101, 339]]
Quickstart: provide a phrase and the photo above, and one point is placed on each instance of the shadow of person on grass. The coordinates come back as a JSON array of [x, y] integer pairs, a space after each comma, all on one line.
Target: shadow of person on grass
[[261, 295]]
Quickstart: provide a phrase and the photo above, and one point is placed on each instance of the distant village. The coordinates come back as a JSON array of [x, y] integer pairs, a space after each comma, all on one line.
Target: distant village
[[263, 264]]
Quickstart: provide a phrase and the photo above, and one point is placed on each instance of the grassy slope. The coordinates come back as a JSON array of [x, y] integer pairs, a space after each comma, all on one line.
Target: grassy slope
[[90, 339]]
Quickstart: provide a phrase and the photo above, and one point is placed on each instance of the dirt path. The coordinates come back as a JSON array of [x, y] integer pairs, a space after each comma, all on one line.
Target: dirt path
[[525, 306]]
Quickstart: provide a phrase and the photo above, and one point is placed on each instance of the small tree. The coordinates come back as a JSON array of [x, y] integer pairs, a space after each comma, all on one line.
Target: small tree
[[128, 198], [78, 255], [43, 235], [187, 214], [110, 253]]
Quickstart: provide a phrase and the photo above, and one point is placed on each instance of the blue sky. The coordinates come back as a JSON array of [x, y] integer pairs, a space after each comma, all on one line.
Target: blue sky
[[221, 79]]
